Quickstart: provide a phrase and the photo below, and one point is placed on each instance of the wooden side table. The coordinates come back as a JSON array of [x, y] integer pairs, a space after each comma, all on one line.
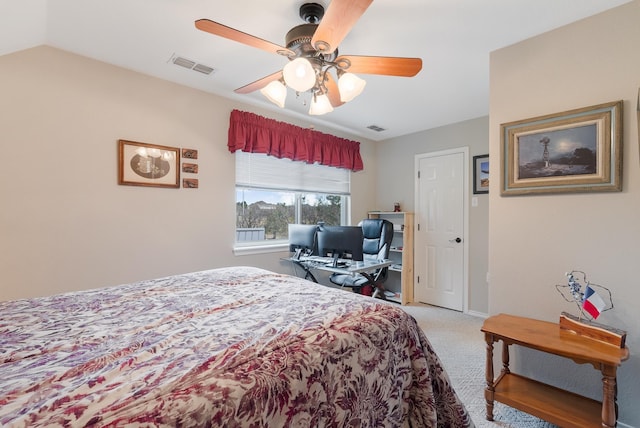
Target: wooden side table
[[547, 402]]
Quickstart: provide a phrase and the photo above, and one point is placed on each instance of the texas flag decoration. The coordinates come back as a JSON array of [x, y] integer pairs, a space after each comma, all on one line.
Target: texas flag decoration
[[592, 302]]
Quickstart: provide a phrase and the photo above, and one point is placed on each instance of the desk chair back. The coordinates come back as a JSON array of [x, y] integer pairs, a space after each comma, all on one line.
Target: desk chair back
[[377, 236]]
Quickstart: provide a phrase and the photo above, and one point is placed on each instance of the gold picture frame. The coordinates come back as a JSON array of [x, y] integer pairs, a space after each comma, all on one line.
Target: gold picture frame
[[152, 165], [574, 151]]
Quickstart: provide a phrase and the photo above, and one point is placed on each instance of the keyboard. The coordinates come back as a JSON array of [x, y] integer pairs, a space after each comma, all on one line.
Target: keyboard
[[327, 261]]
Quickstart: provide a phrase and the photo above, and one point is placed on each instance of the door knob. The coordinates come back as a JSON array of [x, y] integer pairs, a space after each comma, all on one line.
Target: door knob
[[457, 240]]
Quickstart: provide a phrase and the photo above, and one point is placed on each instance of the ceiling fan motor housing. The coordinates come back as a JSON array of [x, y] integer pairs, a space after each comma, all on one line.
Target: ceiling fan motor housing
[[298, 39]]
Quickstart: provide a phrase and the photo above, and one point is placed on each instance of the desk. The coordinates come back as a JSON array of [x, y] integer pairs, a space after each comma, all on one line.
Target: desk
[[553, 404], [366, 268]]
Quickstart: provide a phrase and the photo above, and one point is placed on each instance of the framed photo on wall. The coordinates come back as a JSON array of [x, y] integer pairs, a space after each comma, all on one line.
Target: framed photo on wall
[[191, 168], [573, 151], [189, 154], [480, 174], [141, 164]]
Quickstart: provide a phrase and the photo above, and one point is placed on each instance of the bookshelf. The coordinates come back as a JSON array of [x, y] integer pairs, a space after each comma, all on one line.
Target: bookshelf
[[400, 279]]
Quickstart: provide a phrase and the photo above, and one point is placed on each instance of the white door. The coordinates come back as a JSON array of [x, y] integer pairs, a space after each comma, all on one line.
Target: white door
[[440, 230]]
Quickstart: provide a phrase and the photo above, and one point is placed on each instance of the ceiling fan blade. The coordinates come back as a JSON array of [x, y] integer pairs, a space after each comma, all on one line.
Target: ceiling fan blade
[[340, 17], [333, 93], [238, 36], [386, 65], [259, 84]]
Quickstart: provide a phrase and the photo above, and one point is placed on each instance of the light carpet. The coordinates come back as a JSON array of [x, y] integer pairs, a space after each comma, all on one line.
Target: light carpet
[[458, 341]]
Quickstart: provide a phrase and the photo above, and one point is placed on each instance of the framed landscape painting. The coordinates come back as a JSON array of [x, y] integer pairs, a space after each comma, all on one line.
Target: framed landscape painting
[[574, 151]]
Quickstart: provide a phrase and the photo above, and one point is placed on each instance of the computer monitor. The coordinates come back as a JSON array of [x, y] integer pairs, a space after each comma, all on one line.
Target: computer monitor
[[340, 242], [302, 239]]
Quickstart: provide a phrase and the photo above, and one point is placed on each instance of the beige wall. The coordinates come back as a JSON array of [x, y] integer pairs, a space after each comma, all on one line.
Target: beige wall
[[66, 224], [534, 240], [396, 183]]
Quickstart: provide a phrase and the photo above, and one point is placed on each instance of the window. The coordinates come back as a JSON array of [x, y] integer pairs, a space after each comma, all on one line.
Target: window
[[272, 192]]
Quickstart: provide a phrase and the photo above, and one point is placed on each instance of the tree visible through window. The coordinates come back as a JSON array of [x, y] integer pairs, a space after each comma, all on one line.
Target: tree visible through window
[[266, 214]]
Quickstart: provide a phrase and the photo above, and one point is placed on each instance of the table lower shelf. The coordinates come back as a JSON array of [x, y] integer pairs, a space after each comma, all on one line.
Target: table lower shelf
[[547, 402]]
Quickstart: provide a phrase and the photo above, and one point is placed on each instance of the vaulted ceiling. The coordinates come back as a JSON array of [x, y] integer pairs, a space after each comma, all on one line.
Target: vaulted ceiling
[[452, 37]]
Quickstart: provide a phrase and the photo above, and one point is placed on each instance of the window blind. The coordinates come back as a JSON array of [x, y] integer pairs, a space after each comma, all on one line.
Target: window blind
[[260, 171]]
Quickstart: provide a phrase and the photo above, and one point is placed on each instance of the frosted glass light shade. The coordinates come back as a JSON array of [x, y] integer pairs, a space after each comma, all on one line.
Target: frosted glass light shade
[[350, 86], [299, 75], [320, 104], [275, 92]]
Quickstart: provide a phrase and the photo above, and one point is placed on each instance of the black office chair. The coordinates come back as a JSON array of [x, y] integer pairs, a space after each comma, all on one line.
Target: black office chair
[[377, 234]]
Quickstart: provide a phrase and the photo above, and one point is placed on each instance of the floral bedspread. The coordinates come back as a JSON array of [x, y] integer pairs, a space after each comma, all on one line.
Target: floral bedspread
[[230, 347]]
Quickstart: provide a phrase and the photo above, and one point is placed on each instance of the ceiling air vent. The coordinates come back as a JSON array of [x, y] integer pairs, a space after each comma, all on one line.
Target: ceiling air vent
[[376, 128], [191, 65], [183, 62], [205, 69]]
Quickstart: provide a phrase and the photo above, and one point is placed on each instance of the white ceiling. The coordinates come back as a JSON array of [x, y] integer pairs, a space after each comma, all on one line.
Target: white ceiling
[[453, 38]]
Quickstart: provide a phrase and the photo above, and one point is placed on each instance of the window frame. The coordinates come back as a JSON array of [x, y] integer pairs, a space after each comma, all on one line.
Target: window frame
[[252, 183]]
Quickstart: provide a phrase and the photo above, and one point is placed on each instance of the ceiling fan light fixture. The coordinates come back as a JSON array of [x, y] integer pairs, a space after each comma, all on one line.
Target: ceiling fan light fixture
[[299, 74], [350, 86], [320, 105], [275, 92]]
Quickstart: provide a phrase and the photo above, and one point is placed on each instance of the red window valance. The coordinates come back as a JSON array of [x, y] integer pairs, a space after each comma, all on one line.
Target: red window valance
[[251, 133]]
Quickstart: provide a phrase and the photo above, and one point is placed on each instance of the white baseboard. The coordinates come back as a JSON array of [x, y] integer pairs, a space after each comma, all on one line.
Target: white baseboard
[[477, 314]]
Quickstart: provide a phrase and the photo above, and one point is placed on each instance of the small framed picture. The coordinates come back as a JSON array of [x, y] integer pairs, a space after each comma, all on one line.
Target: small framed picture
[[190, 183], [141, 164], [191, 168], [481, 174], [189, 154]]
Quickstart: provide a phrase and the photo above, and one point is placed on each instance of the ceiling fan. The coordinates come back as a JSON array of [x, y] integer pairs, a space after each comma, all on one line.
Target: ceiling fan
[[312, 50]]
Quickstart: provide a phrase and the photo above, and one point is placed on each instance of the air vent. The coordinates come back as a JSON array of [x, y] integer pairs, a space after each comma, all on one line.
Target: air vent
[[183, 62], [376, 128], [205, 69], [191, 65]]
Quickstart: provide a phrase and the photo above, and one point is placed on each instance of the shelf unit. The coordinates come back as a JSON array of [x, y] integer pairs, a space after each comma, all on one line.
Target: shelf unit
[[400, 279]]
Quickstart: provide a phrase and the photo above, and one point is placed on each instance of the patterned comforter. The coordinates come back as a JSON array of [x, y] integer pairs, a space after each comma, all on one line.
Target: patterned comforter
[[232, 347]]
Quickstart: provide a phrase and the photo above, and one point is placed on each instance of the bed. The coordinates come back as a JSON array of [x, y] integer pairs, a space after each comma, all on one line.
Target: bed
[[232, 347]]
